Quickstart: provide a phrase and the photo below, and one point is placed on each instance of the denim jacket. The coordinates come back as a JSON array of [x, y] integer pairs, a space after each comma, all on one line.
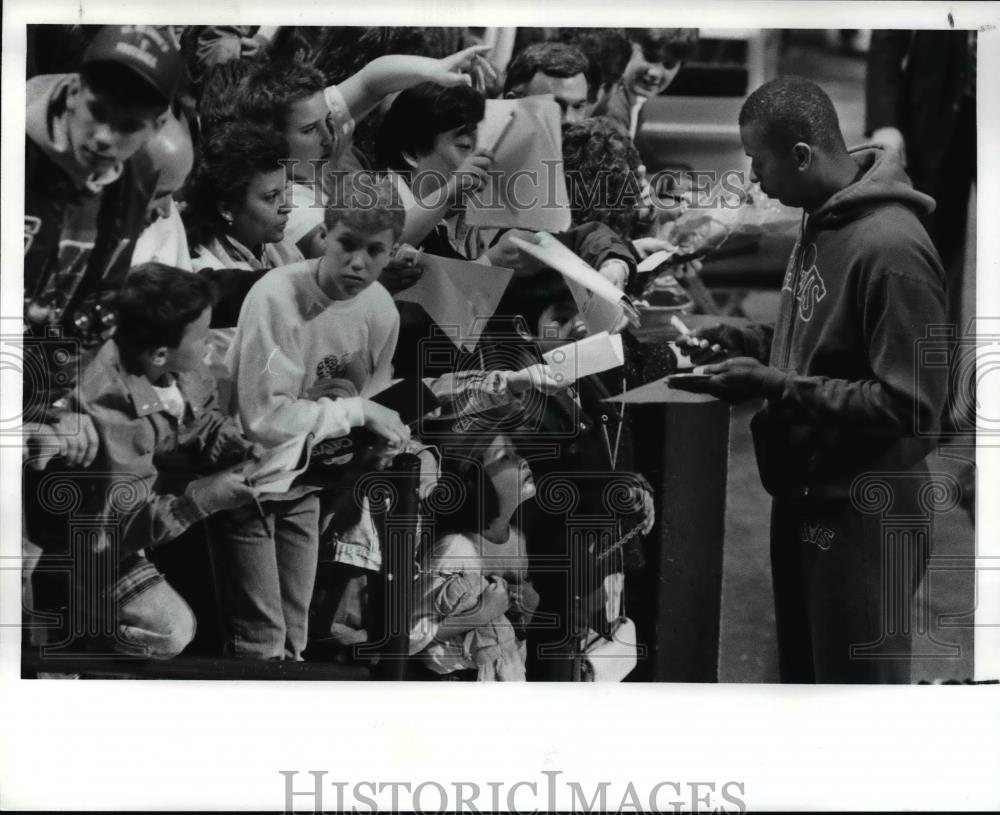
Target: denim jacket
[[148, 459]]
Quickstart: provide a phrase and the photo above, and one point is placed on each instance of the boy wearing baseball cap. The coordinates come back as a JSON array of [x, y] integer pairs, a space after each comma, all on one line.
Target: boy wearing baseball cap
[[86, 190]]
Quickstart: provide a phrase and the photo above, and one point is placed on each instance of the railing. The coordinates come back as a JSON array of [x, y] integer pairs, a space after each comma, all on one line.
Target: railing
[[393, 497]]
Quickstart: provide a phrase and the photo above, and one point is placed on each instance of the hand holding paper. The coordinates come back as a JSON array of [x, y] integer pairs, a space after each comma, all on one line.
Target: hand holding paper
[[586, 284], [279, 466], [552, 253], [592, 355], [528, 190], [507, 254], [540, 377]]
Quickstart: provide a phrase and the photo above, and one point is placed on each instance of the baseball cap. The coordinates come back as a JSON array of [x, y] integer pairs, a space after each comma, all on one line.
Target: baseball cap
[[143, 49]]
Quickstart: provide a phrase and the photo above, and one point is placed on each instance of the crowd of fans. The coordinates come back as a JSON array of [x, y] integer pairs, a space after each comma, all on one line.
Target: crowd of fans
[[248, 266], [216, 221]]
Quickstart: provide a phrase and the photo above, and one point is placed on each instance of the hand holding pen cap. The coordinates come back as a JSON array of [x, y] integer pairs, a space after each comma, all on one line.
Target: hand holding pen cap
[[701, 345]]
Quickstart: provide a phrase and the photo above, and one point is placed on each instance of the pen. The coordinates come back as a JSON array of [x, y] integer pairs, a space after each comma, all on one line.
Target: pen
[[502, 133], [677, 323]]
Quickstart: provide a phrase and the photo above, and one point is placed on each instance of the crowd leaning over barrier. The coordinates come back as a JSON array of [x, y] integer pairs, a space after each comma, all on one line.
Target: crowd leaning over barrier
[[218, 222], [264, 265]]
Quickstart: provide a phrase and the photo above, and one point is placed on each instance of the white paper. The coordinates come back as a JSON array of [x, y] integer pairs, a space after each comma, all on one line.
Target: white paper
[[591, 355], [280, 465], [553, 254], [655, 259], [597, 313], [601, 303], [532, 191], [458, 295]]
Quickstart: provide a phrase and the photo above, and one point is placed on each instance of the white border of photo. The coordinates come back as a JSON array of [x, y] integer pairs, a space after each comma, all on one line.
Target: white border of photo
[[105, 745]]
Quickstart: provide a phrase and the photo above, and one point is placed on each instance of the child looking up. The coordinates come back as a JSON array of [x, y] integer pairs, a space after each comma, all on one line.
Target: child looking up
[[474, 588]]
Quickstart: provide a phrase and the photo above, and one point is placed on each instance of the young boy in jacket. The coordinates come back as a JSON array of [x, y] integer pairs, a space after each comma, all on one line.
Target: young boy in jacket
[[168, 457], [849, 415]]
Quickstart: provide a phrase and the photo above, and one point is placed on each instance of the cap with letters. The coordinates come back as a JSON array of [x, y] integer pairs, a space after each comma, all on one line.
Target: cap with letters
[[147, 51]]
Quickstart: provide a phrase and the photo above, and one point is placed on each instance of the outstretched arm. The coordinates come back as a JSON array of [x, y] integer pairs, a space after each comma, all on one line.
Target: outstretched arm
[[396, 72]]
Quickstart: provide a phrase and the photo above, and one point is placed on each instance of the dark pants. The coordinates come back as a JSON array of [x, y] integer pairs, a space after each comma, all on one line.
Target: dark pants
[[845, 573]]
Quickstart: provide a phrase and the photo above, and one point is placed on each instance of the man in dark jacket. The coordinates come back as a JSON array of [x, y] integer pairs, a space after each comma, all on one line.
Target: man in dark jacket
[[920, 97], [849, 415]]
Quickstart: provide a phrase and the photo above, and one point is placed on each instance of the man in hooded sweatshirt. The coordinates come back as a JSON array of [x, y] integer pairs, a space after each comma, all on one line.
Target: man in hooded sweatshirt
[[849, 415]]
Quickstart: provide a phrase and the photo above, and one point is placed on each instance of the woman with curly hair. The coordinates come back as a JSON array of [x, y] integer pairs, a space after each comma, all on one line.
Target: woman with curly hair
[[235, 216], [236, 209], [602, 174]]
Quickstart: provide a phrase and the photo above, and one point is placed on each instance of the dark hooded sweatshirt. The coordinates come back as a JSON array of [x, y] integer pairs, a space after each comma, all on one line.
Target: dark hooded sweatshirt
[[78, 242], [77, 239], [862, 287]]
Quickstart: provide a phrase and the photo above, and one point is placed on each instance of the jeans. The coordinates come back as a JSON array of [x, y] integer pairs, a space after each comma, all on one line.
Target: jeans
[[151, 618], [264, 576], [109, 606]]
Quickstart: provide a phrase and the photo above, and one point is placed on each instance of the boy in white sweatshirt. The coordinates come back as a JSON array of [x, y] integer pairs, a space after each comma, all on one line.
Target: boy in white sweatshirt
[[321, 326]]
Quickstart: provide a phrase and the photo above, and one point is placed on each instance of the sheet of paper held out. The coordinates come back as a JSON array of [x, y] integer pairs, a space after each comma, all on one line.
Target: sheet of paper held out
[[458, 295], [591, 355], [527, 188], [552, 253], [589, 283]]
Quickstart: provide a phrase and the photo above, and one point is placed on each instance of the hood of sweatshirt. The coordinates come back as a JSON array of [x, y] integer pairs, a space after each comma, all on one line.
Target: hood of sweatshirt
[[883, 181], [45, 124]]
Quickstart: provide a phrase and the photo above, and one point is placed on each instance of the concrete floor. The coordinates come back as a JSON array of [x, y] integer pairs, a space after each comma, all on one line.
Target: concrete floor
[[748, 650]]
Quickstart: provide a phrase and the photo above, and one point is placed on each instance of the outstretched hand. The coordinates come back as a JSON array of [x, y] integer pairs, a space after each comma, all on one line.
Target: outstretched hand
[[735, 380], [539, 376], [458, 69], [707, 344], [72, 436]]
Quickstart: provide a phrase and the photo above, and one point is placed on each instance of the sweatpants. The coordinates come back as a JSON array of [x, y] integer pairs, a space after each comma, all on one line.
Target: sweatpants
[[845, 573]]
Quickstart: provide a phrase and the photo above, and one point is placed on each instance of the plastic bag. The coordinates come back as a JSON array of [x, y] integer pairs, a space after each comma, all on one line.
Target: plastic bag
[[730, 216]]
